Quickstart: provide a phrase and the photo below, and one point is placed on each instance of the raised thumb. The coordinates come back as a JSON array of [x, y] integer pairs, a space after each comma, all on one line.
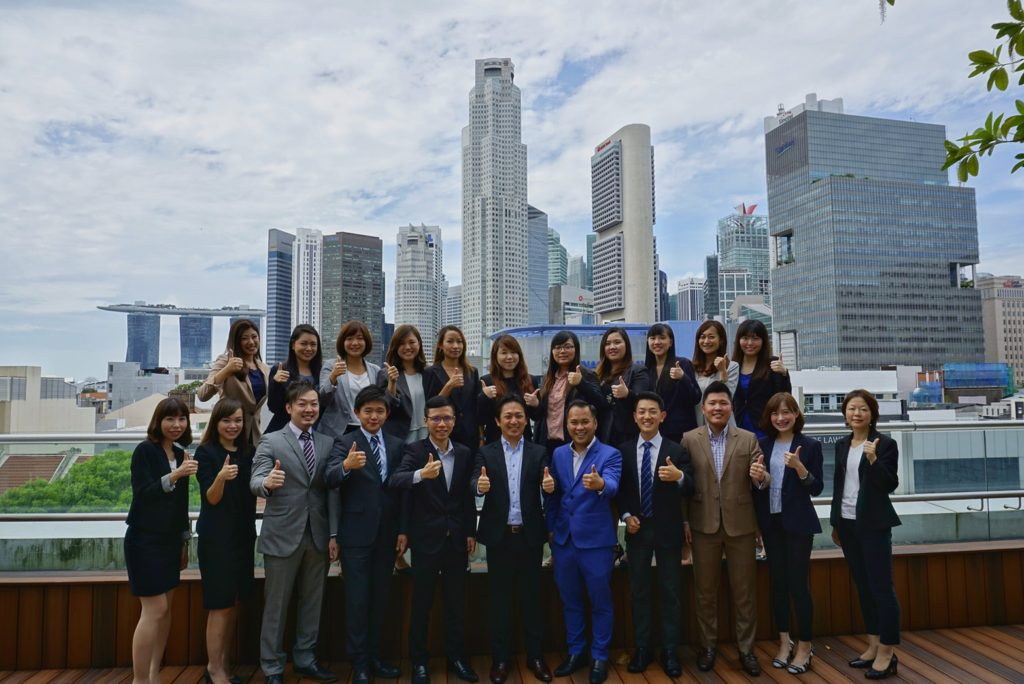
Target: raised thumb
[[353, 448], [797, 452], [760, 459], [668, 461], [277, 465], [593, 469], [483, 471], [578, 369], [483, 384], [547, 472], [621, 381], [227, 461], [677, 364], [430, 458], [876, 442]]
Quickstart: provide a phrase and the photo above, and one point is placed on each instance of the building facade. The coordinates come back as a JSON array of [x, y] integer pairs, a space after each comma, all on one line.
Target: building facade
[[711, 286], [419, 281], [537, 266], [452, 307], [876, 249], [352, 277], [558, 259], [577, 276], [494, 210], [144, 339], [572, 306], [742, 240], [307, 278], [1002, 311], [691, 299], [196, 337], [279, 295]]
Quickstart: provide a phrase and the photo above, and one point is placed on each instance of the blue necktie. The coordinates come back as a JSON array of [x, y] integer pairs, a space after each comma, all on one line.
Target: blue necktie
[[646, 483], [308, 452], [375, 448]]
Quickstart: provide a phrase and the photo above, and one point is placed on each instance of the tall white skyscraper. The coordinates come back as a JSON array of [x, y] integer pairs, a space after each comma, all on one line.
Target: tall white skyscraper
[[691, 299], [307, 277], [622, 194], [418, 281], [494, 214]]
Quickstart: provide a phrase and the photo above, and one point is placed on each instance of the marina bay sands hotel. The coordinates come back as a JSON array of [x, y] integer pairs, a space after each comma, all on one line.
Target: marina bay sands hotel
[[195, 328]]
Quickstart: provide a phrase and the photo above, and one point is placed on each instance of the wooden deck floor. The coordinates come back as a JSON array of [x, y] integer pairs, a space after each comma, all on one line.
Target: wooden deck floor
[[953, 656]]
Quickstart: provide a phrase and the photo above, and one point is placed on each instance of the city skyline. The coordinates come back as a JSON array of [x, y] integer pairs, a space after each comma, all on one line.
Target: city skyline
[[170, 189]]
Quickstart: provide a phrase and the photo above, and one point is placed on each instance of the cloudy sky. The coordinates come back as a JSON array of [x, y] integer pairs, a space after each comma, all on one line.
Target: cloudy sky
[[146, 148]]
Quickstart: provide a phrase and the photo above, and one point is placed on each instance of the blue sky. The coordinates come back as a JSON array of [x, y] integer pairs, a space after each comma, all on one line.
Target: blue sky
[[148, 148]]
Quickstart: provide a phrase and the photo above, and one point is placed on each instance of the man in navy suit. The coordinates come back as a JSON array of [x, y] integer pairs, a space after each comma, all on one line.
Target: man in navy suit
[[583, 537], [367, 529]]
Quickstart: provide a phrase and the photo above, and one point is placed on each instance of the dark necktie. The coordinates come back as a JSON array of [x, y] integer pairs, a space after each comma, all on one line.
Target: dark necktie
[[375, 448], [307, 450], [646, 483]]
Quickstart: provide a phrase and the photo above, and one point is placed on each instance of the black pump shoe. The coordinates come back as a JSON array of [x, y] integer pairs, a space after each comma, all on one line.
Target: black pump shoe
[[872, 673]]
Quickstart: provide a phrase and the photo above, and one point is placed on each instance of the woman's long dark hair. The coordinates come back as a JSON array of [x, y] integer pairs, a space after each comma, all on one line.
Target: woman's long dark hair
[[439, 350], [605, 369], [521, 375], [763, 365], [316, 363], [238, 328], [670, 356], [701, 363], [560, 338], [397, 339], [221, 410]]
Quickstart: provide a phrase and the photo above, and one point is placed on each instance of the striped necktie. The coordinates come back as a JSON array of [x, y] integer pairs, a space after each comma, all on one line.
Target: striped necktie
[[375, 448], [307, 450], [646, 483]]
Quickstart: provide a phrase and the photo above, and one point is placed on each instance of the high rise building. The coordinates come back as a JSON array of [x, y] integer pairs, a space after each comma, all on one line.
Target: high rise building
[[1002, 311], [711, 286], [279, 295], [622, 195], [453, 307], [577, 272], [494, 214], [143, 339], [537, 266], [196, 337], [352, 280], [691, 299], [876, 251], [571, 306], [743, 258], [558, 259], [663, 308], [419, 281], [307, 283], [589, 283], [673, 307]]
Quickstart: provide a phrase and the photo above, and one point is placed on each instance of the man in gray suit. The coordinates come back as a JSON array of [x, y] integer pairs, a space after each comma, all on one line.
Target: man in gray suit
[[288, 471]]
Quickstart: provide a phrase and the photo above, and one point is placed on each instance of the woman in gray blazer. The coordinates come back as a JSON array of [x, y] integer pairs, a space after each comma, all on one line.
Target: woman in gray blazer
[[341, 379]]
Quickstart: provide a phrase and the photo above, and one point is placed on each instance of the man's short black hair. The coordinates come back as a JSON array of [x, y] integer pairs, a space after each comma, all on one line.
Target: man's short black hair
[[436, 403], [368, 394], [717, 387], [580, 403], [510, 399], [296, 390], [651, 396]]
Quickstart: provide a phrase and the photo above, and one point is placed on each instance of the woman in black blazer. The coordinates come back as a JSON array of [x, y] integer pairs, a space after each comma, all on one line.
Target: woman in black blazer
[[621, 380], [565, 381], [509, 376], [451, 376], [408, 384], [788, 522], [305, 358], [674, 380], [156, 543], [867, 471], [761, 375], [227, 530]]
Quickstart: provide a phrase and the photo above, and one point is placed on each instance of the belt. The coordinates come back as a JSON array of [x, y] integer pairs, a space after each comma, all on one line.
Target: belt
[[514, 529]]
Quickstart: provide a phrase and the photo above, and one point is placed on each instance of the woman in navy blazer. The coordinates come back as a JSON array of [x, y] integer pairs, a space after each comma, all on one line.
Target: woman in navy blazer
[[788, 522], [451, 376], [621, 381], [673, 378], [156, 543], [305, 359], [867, 471], [509, 376], [761, 375]]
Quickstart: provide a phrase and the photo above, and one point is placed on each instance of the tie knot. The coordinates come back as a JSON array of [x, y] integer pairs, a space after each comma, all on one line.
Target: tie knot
[[648, 445], [305, 436], [374, 440]]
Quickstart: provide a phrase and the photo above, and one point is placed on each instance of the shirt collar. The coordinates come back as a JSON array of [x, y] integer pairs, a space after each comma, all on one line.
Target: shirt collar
[[572, 445], [725, 433], [369, 436], [451, 447], [655, 442], [508, 446], [297, 431]]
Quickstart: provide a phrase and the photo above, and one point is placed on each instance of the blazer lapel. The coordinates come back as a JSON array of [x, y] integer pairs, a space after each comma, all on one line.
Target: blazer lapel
[[588, 461], [300, 456], [364, 445], [501, 468]]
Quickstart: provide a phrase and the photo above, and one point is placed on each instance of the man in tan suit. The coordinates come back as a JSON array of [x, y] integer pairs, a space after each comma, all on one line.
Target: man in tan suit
[[721, 516]]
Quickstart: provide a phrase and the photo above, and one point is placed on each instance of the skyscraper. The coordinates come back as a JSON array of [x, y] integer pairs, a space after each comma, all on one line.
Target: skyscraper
[[307, 284], [537, 229], [622, 195], [352, 280], [494, 214], [876, 251], [279, 295], [663, 308], [691, 299], [577, 272], [419, 281], [711, 286], [591, 239], [1002, 308], [452, 307], [743, 258], [143, 339], [196, 336], [558, 259]]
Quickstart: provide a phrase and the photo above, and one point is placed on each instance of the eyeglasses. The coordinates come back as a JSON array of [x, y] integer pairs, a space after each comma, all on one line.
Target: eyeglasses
[[567, 347], [437, 420]]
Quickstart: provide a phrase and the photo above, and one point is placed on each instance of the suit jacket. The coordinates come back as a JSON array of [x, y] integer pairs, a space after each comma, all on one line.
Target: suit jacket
[[667, 496], [486, 410], [369, 509], [467, 428], [400, 404], [152, 509], [302, 499], [616, 423], [234, 516], [798, 516], [681, 396], [877, 481], [728, 503], [753, 399], [434, 510], [589, 390], [494, 515], [581, 514], [336, 412], [238, 389]]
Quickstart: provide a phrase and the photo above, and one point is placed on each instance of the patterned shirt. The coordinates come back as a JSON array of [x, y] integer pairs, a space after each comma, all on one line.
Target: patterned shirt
[[718, 449]]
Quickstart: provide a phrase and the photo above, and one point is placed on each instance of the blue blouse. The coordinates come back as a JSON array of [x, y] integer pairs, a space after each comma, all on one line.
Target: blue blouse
[[259, 388]]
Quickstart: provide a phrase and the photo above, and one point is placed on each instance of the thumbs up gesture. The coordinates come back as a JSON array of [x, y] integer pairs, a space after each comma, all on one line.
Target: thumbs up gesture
[[483, 483], [281, 375], [391, 372], [547, 483], [431, 470], [871, 450], [669, 472], [576, 376], [456, 380], [235, 363], [592, 480], [722, 364], [779, 367], [187, 468], [355, 459], [340, 368], [619, 389], [532, 399], [676, 371], [757, 470], [275, 479], [228, 471], [489, 391], [792, 458]]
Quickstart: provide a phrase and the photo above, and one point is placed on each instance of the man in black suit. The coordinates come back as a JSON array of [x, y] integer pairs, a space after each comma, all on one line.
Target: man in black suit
[[442, 533], [367, 529], [509, 475], [656, 475]]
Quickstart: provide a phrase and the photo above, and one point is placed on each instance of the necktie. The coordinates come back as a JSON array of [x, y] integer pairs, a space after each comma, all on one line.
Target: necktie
[[307, 450], [375, 448], [646, 483]]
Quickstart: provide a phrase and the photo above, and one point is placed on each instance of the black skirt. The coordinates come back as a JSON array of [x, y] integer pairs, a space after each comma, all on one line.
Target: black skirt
[[226, 566], [153, 561]]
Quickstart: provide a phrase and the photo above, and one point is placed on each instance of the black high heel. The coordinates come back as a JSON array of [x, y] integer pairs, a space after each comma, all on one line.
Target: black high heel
[[861, 663], [872, 673]]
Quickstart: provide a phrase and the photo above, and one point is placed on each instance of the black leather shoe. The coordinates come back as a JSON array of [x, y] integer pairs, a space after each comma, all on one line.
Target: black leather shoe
[[316, 672], [861, 663], [670, 663], [499, 672], [420, 674], [361, 675], [872, 673], [462, 670], [572, 663], [640, 660], [385, 670], [748, 661], [706, 659], [273, 679], [539, 669], [599, 672]]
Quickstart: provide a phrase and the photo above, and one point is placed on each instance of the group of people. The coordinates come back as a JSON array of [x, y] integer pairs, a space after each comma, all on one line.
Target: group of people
[[361, 463]]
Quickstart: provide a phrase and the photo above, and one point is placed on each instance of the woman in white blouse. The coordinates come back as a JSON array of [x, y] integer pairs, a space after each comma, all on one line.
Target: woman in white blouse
[[341, 379]]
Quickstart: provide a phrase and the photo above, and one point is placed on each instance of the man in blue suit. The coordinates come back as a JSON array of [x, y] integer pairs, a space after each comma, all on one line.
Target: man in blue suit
[[584, 479]]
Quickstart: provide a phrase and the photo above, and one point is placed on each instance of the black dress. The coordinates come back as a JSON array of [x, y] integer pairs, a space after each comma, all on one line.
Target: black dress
[[157, 522], [227, 531]]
